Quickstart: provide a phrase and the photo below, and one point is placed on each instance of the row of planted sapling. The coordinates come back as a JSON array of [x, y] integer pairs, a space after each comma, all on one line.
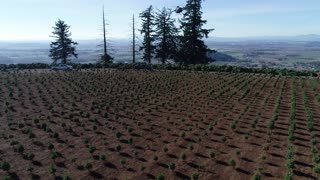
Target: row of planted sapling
[[315, 88], [271, 124], [260, 124], [223, 139], [257, 119], [253, 120], [292, 126], [231, 95], [165, 124], [310, 128]]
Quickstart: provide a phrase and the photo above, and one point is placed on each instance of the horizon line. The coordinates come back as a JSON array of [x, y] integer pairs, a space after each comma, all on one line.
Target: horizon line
[[210, 37]]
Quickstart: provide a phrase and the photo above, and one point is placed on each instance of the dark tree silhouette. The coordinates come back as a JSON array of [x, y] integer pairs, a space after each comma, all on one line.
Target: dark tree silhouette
[[147, 30], [193, 49], [166, 35], [133, 40], [63, 47], [105, 58]]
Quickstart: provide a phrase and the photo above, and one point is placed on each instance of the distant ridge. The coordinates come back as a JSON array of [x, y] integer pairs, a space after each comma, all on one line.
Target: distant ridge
[[122, 41], [218, 56], [309, 37], [305, 37]]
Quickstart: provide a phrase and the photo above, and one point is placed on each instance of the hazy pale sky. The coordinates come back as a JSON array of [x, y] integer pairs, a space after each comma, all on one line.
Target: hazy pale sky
[[33, 19]]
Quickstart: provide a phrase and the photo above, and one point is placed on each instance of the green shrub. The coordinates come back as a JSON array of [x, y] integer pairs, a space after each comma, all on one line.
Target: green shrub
[[4, 165], [316, 158], [238, 151], [310, 126], [66, 177], [171, 166], [256, 175], [122, 162], [118, 147], [290, 164], [223, 139], [271, 124], [289, 175], [314, 149], [118, 134], [54, 155], [30, 156], [102, 156], [291, 137], [182, 134], [246, 136], [130, 129], [92, 148], [212, 153], [94, 127], [232, 162], [52, 169], [55, 135], [183, 156], [20, 148], [195, 175], [263, 156], [160, 177], [87, 165], [50, 146], [155, 158], [12, 143], [233, 124], [316, 169], [190, 147], [142, 167], [29, 168], [130, 140], [165, 149]]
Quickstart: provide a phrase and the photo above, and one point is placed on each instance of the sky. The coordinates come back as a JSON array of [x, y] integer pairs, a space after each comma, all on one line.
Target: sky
[[34, 19]]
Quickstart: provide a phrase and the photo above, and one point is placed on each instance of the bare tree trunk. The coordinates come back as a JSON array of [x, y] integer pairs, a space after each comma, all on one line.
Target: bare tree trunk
[[104, 35], [133, 41]]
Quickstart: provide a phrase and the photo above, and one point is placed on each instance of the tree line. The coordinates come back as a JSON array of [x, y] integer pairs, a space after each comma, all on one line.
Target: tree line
[[162, 39], [183, 67]]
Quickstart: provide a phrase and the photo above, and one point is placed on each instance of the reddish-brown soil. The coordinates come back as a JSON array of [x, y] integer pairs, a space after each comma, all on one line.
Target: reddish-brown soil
[[154, 114]]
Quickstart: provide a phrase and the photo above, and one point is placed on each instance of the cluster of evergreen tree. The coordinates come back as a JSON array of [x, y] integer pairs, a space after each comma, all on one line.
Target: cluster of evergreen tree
[[163, 40], [64, 47]]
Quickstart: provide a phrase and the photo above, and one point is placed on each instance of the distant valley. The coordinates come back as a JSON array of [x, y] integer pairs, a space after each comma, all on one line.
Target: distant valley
[[299, 52]]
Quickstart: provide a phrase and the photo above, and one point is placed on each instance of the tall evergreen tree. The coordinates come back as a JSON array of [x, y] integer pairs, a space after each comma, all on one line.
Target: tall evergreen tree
[[147, 30], [193, 49], [63, 47], [166, 35]]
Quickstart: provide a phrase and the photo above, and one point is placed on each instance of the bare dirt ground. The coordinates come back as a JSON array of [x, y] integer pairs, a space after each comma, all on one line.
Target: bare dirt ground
[[102, 124]]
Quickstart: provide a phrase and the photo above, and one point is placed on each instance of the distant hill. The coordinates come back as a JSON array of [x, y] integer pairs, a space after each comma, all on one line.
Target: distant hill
[[218, 56], [313, 44], [306, 38], [5, 60]]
